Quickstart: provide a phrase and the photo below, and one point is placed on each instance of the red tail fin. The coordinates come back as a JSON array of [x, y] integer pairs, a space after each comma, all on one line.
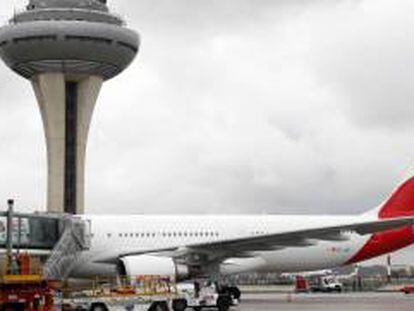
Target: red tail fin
[[401, 202]]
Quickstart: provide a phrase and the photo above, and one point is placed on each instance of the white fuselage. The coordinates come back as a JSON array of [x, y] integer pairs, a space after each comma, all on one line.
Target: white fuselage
[[111, 235]]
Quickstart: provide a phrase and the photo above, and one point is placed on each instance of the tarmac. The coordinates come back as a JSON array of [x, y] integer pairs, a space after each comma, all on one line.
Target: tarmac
[[322, 302]]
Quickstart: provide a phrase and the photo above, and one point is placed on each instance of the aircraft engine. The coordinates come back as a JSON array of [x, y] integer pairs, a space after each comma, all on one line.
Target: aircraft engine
[[146, 265]]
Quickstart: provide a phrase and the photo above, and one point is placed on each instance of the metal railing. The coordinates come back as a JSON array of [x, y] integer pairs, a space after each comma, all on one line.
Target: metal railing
[[68, 250]]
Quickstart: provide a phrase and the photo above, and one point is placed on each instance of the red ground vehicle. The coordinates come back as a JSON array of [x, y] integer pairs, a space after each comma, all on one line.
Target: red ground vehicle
[[22, 293], [24, 288], [301, 284], [409, 289]]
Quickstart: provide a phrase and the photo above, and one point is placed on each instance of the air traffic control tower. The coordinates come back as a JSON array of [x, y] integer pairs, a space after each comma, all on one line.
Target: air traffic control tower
[[67, 49]]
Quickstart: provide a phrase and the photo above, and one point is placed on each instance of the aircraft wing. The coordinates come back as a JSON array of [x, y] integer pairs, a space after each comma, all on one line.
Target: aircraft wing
[[217, 251], [305, 237]]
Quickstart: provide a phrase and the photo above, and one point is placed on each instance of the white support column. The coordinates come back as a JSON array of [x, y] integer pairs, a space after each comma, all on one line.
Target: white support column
[[50, 92], [88, 92]]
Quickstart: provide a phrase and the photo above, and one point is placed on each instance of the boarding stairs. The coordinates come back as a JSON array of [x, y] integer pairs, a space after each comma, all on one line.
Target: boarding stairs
[[74, 240]]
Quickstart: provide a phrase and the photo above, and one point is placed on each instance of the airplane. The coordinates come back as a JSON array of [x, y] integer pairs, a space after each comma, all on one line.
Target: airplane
[[192, 246], [188, 247]]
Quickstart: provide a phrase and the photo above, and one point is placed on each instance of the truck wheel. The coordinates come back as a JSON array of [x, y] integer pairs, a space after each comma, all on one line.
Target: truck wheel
[[159, 306], [98, 307], [235, 292], [13, 306], [224, 302], [179, 305]]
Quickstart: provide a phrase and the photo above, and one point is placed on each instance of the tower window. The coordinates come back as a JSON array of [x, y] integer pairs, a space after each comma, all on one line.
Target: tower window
[[36, 38], [89, 38]]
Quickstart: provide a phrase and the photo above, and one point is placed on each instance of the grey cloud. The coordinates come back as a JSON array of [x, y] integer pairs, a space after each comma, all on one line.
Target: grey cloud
[[365, 54]]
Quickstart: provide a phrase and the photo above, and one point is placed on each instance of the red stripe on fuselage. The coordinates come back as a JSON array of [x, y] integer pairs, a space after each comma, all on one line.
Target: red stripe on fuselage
[[400, 204]]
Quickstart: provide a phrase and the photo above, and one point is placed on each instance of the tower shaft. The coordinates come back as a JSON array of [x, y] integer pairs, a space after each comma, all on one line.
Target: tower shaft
[[66, 104]]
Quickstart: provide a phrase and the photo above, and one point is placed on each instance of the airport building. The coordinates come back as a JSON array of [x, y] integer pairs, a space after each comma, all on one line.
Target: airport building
[[67, 49]]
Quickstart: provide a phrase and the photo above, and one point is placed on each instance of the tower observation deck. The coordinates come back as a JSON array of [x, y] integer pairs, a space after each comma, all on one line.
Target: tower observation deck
[[67, 49]]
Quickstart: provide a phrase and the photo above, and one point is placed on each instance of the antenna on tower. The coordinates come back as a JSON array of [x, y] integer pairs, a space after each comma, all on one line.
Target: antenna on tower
[[14, 14]]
